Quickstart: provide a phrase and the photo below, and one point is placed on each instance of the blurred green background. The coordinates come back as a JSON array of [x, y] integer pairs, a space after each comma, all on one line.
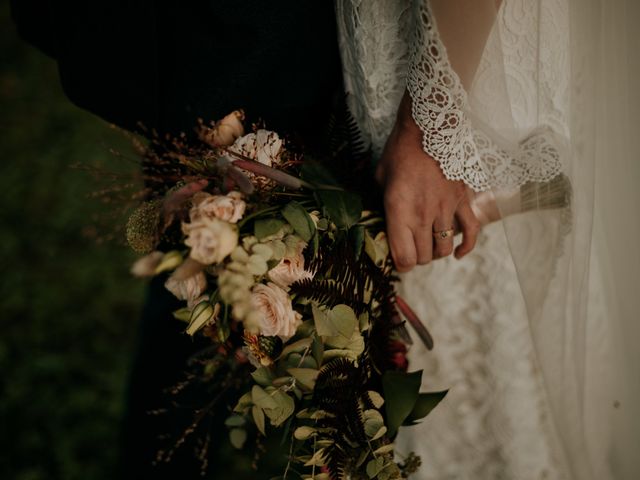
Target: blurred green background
[[69, 308]]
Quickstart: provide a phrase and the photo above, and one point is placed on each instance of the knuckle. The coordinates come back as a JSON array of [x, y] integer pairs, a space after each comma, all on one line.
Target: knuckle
[[405, 262], [444, 250]]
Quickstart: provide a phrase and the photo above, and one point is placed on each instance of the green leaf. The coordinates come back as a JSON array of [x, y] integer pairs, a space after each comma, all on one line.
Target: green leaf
[[401, 393], [344, 320], [235, 421], [296, 347], [284, 407], [238, 437], [266, 227], [316, 173], [356, 234], [376, 248], [317, 349], [340, 321], [343, 208], [303, 433], [263, 376], [321, 320], [424, 404], [244, 402], [300, 220], [373, 422], [384, 449], [258, 419], [305, 377], [374, 467], [262, 399]]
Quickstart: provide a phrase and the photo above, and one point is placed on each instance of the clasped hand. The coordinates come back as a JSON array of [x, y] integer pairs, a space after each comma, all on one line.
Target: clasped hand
[[419, 200]]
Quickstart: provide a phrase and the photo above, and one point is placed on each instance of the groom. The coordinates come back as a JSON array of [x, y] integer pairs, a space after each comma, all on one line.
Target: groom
[[166, 64]]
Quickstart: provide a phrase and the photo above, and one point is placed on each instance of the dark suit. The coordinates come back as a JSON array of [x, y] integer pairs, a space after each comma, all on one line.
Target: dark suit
[[165, 64]]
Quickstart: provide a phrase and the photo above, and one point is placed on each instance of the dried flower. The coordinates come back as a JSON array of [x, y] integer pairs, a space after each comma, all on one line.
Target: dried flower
[[276, 314], [229, 207], [143, 227], [263, 146], [211, 240], [225, 132]]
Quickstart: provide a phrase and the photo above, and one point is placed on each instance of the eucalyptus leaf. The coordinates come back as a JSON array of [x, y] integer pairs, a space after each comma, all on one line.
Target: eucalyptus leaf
[[303, 433], [296, 347], [238, 437], [305, 377], [401, 393], [235, 421], [317, 349], [244, 402], [375, 466], [343, 208], [376, 248], [284, 408], [258, 419], [262, 376], [324, 327], [267, 227], [344, 320], [299, 219], [383, 450], [262, 399]]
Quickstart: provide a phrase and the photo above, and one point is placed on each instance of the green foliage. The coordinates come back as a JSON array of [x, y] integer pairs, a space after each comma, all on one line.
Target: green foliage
[[401, 392], [343, 208]]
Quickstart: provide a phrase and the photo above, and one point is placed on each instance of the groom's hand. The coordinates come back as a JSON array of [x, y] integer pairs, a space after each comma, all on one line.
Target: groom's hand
[[419, 200]]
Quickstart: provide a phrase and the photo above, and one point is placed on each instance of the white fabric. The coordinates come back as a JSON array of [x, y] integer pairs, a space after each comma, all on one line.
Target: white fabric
[[538, 368]]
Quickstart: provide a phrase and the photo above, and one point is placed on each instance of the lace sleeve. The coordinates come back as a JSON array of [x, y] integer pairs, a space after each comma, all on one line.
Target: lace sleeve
[[440, 108]]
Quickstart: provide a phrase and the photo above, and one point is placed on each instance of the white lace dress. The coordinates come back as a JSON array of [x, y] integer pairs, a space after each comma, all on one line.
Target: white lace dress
[[496, 422]]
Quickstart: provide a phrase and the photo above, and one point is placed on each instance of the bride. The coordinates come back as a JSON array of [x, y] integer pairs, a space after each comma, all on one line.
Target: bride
[[504, 97], [481, 113]]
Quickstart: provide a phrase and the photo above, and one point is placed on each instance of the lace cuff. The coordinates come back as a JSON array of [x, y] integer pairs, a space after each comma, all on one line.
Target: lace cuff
[[440, 108]]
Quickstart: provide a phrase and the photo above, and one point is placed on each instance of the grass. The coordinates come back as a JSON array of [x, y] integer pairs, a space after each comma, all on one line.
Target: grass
[[68, 307]]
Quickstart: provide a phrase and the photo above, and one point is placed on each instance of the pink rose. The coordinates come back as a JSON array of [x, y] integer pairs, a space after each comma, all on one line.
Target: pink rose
[[276, 314], [290, 269], [229, 207], [189, 289]]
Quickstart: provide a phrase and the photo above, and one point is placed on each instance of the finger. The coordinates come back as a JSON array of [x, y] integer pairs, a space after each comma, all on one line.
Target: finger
[[401, 242], [470, 227], [423, 239], [443, 246]]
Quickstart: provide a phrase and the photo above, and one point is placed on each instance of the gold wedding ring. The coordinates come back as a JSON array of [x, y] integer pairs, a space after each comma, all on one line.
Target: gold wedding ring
[[443, 234]]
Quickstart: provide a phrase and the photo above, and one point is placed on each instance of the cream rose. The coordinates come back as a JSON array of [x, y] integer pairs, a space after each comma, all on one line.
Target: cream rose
[[210, 239], [263, 146], [290, 269], [229, 207], [276, 314], [189, 289]]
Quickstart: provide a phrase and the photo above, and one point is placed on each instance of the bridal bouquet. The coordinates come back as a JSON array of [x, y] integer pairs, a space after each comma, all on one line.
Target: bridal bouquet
[[288, 278]]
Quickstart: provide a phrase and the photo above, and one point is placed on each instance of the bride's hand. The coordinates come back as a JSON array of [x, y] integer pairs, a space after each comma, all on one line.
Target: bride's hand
[[419, 200]]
